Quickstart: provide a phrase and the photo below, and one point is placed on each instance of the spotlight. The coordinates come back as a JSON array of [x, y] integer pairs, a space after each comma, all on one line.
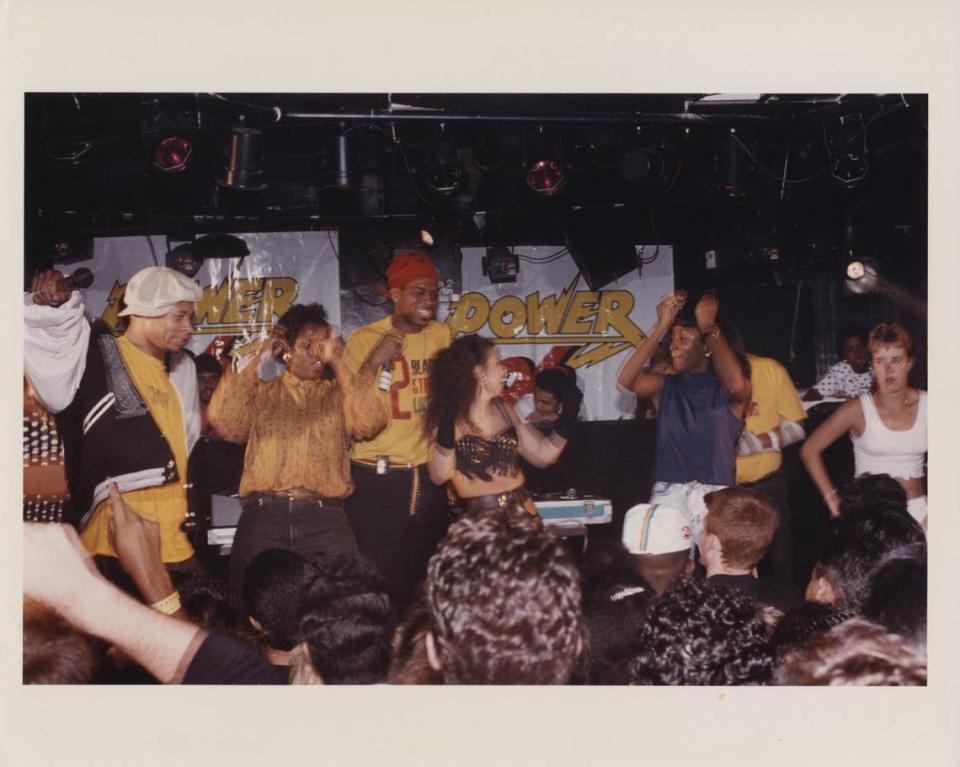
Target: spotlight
[[848, 169], [546, 177], [861, 276], [172, 154], [427, 239], [732, 179], [500, 265], [243, 162], [184, 260]]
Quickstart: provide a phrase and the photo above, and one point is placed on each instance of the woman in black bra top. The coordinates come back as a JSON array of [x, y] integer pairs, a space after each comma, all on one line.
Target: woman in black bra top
[[478, 439]]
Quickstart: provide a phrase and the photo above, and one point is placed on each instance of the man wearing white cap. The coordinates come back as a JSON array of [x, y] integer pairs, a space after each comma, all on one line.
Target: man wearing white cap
[[127, 407], [660, 539]]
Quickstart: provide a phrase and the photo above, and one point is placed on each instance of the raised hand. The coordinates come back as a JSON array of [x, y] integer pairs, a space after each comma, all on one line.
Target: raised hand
[[669, 307], [328, 348], [706, 311], [388, 348], [47, 288]]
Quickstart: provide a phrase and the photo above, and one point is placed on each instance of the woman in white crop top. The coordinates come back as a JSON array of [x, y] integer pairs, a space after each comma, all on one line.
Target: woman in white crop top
[[888, 427]]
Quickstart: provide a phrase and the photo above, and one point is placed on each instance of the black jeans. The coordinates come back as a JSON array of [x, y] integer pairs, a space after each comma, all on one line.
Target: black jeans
[[398, 519], [310, 528]]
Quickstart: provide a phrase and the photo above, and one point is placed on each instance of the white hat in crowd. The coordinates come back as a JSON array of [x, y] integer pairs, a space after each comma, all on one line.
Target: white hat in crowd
[[656, 529], [156, 290]]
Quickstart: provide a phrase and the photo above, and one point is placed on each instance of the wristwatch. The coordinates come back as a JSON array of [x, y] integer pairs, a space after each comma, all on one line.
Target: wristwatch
[[710, 333]]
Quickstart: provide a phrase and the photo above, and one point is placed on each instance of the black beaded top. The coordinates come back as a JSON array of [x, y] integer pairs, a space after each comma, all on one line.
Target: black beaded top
[[477, 457]]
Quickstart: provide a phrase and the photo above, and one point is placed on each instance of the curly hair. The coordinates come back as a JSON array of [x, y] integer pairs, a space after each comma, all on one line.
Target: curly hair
[[857, 652], [697, 634], [452, 385], [504, 598], [299, 315], [347, 621]]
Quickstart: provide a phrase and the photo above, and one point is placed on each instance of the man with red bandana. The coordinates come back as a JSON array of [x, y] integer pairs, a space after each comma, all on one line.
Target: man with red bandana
[[398, 516], [127, 408]]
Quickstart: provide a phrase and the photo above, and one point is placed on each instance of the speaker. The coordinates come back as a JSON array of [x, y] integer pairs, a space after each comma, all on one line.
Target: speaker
[[601, 243]]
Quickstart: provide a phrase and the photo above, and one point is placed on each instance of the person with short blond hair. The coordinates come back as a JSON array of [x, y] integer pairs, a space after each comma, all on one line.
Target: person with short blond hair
[[888, 427]]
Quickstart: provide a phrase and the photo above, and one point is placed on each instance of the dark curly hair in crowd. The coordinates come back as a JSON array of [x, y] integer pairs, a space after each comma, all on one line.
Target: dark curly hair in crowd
[[697, 634], [897, 595], [274, 583], [347, 621], [873, 492], [452, 385], [299, 315], [504, 598], [804, 620], [860, 539]]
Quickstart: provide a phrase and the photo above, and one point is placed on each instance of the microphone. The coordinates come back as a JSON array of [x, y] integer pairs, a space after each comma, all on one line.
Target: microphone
[[81, 278]]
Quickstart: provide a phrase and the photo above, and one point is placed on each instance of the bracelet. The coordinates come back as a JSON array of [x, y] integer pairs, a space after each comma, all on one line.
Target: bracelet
[[710, 333], [830, 494], [168, 605]]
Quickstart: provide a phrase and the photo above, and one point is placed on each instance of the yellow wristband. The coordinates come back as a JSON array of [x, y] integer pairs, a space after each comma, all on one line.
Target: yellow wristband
[[168, 605]]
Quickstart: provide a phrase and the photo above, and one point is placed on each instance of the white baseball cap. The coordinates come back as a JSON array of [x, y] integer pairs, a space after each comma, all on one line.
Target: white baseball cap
[[656, 529], [156, 290]]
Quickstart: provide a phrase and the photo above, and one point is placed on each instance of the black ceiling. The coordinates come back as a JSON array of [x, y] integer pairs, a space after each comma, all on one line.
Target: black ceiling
[[667, 157]]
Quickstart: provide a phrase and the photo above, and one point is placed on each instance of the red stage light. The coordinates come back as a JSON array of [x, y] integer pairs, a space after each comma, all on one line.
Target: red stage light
[[546, 177], [172, 154]]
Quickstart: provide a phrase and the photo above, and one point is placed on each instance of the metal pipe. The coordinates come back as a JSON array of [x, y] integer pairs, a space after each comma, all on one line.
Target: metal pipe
[[658, 118]]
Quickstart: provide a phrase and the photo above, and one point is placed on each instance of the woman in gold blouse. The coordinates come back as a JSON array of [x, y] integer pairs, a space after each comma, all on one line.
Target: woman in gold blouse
[[298, 429]]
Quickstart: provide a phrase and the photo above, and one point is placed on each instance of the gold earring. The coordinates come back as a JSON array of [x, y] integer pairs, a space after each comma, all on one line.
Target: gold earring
[[286, 358]]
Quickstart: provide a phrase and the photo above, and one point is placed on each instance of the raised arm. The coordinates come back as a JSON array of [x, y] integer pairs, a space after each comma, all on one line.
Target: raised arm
[[633, 377], [55, 341], [442, 463], [542, 450], [363, 408], [848, 417], [231, 407], [60, 573], [726, 366]]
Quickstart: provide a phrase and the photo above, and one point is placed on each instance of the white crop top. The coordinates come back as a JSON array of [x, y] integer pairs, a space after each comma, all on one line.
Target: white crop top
[[880, 450]]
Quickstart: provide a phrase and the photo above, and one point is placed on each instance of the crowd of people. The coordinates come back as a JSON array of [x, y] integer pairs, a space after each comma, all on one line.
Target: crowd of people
[[387, 532]]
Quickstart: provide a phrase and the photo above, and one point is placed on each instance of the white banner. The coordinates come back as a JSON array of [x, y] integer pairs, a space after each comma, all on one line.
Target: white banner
[[241, 296], [550, 310]]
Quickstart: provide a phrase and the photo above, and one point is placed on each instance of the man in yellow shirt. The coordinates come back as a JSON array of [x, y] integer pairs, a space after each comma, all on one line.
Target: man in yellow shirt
[[773, 422], [127, 407], [398, 516]]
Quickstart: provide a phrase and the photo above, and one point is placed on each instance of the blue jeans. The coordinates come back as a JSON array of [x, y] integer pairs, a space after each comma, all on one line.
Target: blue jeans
[[310, 528]]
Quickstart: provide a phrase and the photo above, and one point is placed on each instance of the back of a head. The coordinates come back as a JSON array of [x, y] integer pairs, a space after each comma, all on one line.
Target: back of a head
[[504, 598], [410, 663], [56, 653], [803, 621], [897, 594], [347, 621], [873, 492], [744, 521], [860, 539], [615, 601], [697, 634], [856, 652], [274, 584], [659, 538]]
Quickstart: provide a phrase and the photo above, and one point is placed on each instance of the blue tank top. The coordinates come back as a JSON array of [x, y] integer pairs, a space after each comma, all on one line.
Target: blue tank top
[[697, 431]]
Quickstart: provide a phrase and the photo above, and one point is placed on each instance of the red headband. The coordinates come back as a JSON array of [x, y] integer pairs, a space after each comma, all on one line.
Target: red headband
[[407, 267]]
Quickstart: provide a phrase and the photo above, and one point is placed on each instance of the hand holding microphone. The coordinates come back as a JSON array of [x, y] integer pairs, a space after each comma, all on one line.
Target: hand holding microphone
[[51, 288]]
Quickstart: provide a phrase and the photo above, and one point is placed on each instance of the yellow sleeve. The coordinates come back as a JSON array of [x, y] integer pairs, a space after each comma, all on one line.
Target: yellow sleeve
[[788, 402], [364, 410], [231, 408]]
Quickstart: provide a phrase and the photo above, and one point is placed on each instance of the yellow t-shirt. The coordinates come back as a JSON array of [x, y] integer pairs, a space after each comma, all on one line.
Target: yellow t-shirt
[[403, 440], [167, 504], [774, 399]]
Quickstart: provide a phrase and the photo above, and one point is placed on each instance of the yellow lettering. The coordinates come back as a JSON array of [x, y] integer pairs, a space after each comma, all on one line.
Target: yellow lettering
[[614, 312], [579, 320], [550, 311], [210, 308], [246, 292], [507, 317], [587, 356], [471, 314], [278, 296]]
